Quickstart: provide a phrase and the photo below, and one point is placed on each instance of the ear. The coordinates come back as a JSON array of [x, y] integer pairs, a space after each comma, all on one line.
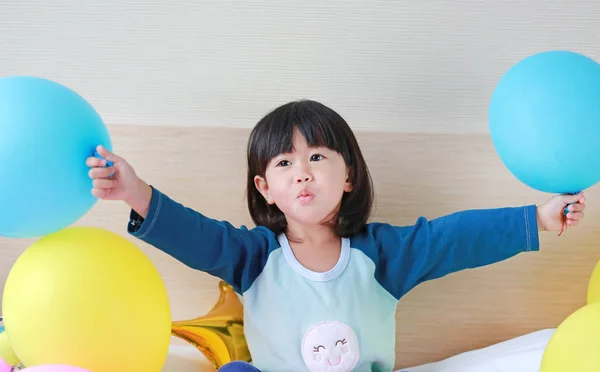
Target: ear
[[263, 188], [348, 186]]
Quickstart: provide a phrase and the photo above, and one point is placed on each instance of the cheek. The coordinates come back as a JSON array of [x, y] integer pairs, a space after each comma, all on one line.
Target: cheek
[[337, 178], [342, 173], [278, 189]]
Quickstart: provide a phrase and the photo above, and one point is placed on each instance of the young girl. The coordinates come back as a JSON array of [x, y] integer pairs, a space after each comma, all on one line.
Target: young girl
[[320, 285]]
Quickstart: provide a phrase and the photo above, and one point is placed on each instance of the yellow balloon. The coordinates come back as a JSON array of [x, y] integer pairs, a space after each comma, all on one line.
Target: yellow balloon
[[593, 294], [575, 345], [6, 352], [89, 298]]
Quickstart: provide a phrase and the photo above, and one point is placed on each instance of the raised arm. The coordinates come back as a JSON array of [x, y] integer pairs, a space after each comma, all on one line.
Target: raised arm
[[236, 255], [406, 256]]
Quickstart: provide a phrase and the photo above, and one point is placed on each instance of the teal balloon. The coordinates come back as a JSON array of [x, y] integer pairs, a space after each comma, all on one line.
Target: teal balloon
[[544, 121], [46, 133]]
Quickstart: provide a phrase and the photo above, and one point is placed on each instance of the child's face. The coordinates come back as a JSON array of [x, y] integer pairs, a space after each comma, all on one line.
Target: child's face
[[307, 184]]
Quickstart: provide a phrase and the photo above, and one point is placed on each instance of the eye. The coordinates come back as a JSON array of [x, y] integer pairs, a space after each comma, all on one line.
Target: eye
[[317, 157], [317, 348], [343, 342], [284, 163]]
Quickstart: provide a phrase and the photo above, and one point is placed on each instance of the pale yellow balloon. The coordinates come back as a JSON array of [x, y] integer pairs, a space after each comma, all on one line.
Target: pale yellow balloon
[[593, 293], [575, 345], [90, 298], [6, 352]]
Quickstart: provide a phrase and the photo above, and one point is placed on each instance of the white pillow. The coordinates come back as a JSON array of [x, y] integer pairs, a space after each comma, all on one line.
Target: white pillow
[[523, 354]]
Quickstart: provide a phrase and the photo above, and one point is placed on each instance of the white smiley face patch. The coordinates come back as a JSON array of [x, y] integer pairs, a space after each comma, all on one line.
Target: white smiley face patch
[[330, 346]]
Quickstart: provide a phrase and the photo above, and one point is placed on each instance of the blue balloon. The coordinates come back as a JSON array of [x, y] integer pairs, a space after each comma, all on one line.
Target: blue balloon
[[46, 133], [544, 120]]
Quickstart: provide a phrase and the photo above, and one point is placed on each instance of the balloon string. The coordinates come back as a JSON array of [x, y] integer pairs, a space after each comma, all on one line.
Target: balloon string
[[565, 212], [564, 226]]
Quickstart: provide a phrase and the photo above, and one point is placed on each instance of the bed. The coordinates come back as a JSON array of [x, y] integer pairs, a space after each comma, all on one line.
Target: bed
[[521, 354], [496, 314]]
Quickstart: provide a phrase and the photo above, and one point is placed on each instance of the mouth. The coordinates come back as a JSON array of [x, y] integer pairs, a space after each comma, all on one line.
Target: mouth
[[335, 364], [304, 196]]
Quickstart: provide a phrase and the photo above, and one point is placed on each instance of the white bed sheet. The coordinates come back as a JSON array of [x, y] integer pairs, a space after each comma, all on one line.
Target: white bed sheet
[[522, 354]]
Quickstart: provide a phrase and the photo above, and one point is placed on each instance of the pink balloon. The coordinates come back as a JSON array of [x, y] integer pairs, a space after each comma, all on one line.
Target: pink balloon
[[4, 367], [54, 368]]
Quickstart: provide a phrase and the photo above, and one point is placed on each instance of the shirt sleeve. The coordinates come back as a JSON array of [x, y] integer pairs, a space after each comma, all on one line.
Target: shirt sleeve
[[236, 255], [406, 256]]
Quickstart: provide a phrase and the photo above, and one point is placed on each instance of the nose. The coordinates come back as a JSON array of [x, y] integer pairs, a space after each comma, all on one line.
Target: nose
[[303, 174], [302, 179]]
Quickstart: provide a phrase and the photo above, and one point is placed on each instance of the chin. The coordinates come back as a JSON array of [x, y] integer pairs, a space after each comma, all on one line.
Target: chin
[[308, 217]]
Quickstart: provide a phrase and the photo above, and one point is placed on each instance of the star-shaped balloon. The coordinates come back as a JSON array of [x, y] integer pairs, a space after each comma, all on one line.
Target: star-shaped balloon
[[219, 334]]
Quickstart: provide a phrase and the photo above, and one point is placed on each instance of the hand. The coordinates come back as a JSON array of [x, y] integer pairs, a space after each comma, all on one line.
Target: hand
[[550, 214], [118, 182]]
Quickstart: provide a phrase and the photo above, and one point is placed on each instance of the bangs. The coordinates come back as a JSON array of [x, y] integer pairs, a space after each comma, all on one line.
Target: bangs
[[311, 120]]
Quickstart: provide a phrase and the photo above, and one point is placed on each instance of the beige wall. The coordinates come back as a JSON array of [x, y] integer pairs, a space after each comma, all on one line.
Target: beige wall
[[418, 66]]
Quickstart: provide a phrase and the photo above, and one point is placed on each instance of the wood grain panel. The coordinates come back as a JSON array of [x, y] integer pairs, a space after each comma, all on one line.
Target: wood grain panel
[[414, 175]]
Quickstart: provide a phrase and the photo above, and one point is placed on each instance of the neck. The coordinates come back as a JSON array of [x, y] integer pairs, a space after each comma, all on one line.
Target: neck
[[316, 247], [316, 235]]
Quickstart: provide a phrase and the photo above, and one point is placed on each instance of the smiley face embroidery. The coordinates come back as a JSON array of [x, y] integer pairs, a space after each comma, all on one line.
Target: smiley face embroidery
[[330, 346]]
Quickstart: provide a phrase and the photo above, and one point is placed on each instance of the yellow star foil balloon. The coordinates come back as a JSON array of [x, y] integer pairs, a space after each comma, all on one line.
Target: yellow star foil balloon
[[219, 335]]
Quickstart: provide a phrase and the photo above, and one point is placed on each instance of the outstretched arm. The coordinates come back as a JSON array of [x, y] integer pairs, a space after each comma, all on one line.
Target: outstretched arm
[[406, 256], [236, 255]]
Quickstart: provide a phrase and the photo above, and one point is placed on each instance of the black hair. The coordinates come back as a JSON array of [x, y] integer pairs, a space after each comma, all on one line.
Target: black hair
[[322, 127]]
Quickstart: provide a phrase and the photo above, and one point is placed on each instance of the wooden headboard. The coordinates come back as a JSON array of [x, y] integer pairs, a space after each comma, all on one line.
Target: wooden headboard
[[414, 175]]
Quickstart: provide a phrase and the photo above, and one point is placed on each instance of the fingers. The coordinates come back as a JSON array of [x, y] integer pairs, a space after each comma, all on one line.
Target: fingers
[[106, 157], [100, 193], [107, 154], [97, 173], [577, 198], [577, 207], [93, 161], [101, 172], [575, 216], [103, 183]]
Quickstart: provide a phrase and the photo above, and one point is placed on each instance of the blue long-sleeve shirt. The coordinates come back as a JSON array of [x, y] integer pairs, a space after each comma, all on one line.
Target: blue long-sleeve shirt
[[344, 319]]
